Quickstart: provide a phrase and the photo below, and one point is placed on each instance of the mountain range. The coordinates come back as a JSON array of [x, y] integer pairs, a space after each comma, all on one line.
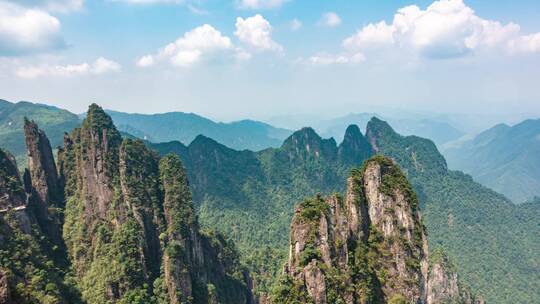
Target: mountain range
[[440, 132], [110, 221], [504, 158], [251, 196], [240, 135]]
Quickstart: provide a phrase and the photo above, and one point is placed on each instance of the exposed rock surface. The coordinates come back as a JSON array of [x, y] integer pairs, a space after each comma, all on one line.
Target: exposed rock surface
[[5, 292], [443, 284], [144, 241], [370, 247], [42, 166]]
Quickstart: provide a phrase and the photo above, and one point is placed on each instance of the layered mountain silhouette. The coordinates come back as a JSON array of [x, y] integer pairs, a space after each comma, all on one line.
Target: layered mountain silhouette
[[504, 158]]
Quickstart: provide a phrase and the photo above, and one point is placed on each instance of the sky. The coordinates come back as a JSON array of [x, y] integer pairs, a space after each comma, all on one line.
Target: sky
[[234, 59]]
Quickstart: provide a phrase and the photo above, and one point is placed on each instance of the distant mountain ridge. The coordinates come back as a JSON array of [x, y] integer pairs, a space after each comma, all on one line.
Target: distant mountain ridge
[[54, 121], [440, 132], [184, 127], [504, 158]]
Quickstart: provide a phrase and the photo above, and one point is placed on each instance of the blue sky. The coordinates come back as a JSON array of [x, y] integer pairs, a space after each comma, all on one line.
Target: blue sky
[[323, 58]]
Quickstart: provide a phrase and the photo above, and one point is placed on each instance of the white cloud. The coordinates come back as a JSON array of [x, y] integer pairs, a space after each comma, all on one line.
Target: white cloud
[[445, 29], [103, 65], [371, 35], [329, 59], [525, 44], [295, 25], [256, 33], [196, 45], [330, 19], [24, 31], [145, 61], [62, 6], [98, 67], [260, 4]]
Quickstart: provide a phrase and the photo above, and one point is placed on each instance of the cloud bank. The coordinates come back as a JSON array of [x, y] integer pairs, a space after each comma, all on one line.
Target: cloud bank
[[445, 29], [98, 67]]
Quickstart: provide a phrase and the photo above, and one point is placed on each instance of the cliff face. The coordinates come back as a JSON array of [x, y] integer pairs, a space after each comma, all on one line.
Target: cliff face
[[443, 284], [42, 167], [370, 247], [32, 259], [129, 225]]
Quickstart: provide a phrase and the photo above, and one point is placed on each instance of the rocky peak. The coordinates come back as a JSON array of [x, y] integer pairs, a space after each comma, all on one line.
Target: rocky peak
[[307, 144], [98, 143], [370, 247], [144, 242], [183, 247], [41, 166], [411, 152], [354, 147], [377, 128]]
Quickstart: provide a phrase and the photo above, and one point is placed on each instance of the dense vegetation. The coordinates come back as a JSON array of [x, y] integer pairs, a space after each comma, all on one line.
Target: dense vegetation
[[250, 196], [31, 265], [504, 158], [483, 232], [129, 226]]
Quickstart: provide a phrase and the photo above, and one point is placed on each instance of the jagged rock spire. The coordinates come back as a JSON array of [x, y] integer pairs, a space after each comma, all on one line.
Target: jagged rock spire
[[41, 166], [369, 248], [183, 246], [144, 242]]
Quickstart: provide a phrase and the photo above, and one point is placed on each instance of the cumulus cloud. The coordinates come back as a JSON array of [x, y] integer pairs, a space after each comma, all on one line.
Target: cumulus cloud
[[260, 4], [256, 33], [445, 29], [145, 61], [25, 31], [372, 35], [330, 19], [194, 46], [98, 67]]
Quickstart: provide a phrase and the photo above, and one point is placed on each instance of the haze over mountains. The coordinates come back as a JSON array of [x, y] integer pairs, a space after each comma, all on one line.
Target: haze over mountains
[[504, 158], [440, 132]]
